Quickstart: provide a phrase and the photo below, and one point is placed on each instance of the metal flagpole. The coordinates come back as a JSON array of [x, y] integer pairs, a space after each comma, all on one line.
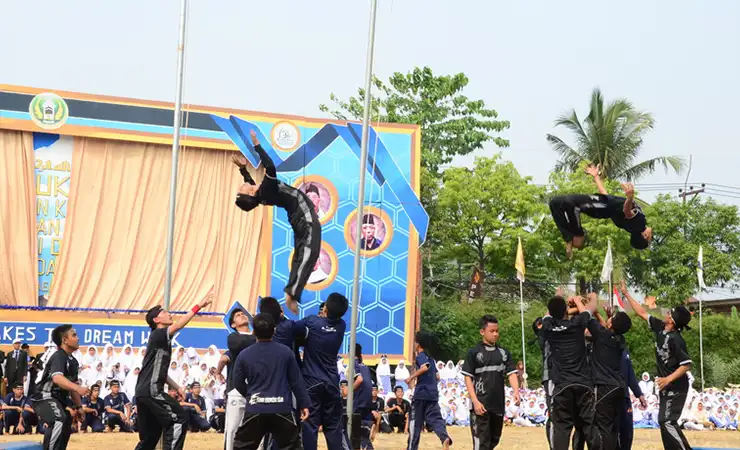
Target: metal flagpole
[[701, 343], [521, 308], [360, 205], [175, 155]]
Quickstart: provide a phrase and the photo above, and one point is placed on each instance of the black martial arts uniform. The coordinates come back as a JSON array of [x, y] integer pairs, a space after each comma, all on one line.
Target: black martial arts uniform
[[301, 215], [267, 374], [572, 400], [50, 401], [488, 367], [158, 414], [235, 402], [425, 404], [670, 354], [363, 406], [606, 365], [566, 212], [626, 421]]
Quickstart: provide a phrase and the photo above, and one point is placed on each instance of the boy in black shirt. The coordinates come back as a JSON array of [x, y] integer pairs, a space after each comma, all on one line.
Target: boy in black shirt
[[235, 403], [195, 406], [673, 363], [57, 385], [301, 215], [624, 212], [93, 409], [267, 374], [572, 399], [158, 414], [398, 411], [118, 409], [485, 367]]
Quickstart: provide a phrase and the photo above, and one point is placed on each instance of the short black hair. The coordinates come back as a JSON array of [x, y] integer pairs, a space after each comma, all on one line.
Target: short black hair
[[233, 315], [321, 305], [557, 307], [336, 305], [638, 242], [58, 333], [95, 387], [264, 326], [397, 388], [270, 306], [621, 322], [114, 383], [485, 320], [424, 339], [310, 187], [358, 352], [24, 345], [195, 384], [151, 314], [17, 385]]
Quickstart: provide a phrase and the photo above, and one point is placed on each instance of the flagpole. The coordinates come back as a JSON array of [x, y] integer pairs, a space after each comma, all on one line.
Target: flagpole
[[701, 328], [521, 310], [360, 204]]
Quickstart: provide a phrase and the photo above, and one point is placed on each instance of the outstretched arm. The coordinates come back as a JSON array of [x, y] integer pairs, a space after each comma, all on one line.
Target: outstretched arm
[[636, 307], [594, 172], [629, 204], [184, 320], [264, 157]]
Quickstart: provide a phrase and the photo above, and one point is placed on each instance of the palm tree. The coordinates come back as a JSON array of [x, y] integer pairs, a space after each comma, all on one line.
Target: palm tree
[[612, 137]]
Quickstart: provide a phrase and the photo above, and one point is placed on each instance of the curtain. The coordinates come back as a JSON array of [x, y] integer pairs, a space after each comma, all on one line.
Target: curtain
[[18, 277], [114, 248]]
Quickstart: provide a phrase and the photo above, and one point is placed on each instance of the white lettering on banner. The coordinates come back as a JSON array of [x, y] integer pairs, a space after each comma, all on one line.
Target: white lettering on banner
[[48, 334], [145, 337], [129, 337], [12, 332]]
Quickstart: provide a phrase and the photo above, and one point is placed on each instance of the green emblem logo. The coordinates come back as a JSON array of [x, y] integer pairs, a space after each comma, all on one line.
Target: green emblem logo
[[49, 111]]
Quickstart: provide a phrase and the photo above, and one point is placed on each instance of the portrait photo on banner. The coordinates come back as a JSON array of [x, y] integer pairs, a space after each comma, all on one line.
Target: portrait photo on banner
[[324, 270], [322, 194], [377, 231]]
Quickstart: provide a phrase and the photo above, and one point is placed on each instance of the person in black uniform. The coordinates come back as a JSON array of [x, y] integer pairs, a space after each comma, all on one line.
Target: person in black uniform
[[158, 414], [626, 419], [377, 407], [673, 363], [623, 211], [218, 418], [547, 384], [118, 409], [572, 400], [93, 408], [267, 374], [235, 402], [606, 365], [363, 399], [58, 383], [485, 368], [398, 410], [301, 215], [195, 406]]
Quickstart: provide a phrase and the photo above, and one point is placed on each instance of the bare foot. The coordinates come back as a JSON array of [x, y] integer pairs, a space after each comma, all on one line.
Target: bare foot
[[446, 445], [291, 304]]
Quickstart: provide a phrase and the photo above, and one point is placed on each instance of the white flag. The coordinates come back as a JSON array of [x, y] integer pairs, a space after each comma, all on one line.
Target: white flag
[[606, 271], [700, 269]]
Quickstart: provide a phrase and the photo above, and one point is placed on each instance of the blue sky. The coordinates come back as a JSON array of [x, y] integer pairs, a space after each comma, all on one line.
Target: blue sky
[[530, 60]]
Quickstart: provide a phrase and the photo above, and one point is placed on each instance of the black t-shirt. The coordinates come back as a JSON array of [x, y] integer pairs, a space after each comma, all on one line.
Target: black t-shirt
[[378, 405], [670, 354], [153, 374], [404, 404], [568, 362], [236, 342], [636, 224], [606, 357], [545, 348], [60, 363], [488, 366]]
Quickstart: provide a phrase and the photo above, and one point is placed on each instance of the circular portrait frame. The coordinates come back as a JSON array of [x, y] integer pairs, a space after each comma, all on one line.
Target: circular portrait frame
[[377, 212], [333, 271], [330, 188], [273, 138]]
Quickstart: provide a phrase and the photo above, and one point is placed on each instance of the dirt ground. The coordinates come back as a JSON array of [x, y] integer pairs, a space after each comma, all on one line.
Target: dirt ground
[[513, 439]]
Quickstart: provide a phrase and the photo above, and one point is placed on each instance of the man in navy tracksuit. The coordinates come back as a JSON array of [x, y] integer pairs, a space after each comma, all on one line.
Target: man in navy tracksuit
[[626, 430], [267, 375], [323, 339], [94, 408], [118, 409], [425, 405], [363, 400], [196, 416]]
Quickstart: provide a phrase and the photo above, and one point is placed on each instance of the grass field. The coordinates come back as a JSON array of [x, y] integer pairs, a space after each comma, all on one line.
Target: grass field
[[514, 439]]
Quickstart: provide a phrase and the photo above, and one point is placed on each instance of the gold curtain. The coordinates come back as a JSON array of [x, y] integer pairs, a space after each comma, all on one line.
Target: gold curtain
[[18, 259], [114, 247]]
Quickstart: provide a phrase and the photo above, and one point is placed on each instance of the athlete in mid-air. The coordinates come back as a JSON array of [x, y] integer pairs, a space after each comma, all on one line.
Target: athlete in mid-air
[[623, 211], [301, 215]]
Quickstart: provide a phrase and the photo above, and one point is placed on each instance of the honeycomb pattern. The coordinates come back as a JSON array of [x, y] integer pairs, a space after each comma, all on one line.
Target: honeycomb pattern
[[381, 318]]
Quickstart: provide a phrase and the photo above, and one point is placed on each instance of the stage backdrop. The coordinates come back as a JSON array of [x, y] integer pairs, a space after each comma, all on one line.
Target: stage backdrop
[[320, 157]]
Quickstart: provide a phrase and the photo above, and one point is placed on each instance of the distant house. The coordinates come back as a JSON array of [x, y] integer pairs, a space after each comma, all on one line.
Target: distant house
[[717, 305]]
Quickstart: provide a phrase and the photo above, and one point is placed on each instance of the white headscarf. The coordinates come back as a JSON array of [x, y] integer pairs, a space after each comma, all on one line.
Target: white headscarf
[[449, 373], [174, 373], [212, 356], [127, 360], [129, 386], [178, 357], [109, 358], [401, 371], [340, 365], [193, 358], [94, 374], [139, 360], [89, 359], [383, 369], [78, 355]]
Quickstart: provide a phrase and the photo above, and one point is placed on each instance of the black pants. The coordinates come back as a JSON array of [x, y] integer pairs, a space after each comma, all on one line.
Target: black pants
[[282, 427], [671, 405], [307, 243], [549, 389], [218, 422], [609, 405], [626, 425], [572, 407], [486, 430], [160, 417], [566, 212], [397, 420], [58, 421], [114, 420]]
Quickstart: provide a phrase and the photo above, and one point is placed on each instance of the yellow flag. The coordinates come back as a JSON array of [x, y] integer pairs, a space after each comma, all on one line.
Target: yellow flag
[[520, 269]]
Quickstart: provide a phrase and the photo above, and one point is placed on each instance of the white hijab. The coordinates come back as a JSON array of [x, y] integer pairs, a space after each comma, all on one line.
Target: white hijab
[[193, 358], [109, 358], [139, 360], [94, 374], [127, 359], [89, 359], [384, 369], [129, 386], [401, 371], [212, 356], [178, 357]]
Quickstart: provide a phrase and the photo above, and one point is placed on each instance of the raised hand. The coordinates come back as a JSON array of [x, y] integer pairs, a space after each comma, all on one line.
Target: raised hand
[[253, 135], [593, 170], [239, 160], [629, 190], [209, 298]]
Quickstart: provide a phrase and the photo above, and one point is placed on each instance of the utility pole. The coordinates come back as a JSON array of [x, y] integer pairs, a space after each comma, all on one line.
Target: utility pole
[[691, 192]]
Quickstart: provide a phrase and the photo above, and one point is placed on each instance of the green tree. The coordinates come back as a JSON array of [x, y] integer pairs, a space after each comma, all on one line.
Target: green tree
[[610, 136], [451, 123], [668, 270], [481, 211]]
